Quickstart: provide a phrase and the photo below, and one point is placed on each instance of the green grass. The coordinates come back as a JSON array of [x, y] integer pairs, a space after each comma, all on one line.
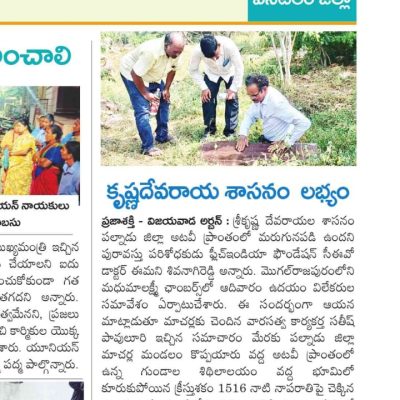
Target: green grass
[[327, 96]]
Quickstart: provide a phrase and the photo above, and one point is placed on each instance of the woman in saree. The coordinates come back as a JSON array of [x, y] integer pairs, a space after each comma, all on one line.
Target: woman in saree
[[19, 144], [48, 164]]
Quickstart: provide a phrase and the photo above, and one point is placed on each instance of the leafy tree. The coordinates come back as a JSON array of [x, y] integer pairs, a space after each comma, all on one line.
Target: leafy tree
[[325, 48]]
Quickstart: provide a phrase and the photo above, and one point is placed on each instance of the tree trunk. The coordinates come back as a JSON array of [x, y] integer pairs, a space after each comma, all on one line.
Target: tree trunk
[[284, 59], [278, 59]]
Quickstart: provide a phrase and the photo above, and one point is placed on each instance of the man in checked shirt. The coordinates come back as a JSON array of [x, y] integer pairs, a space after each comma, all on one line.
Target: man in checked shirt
[[283, 125]]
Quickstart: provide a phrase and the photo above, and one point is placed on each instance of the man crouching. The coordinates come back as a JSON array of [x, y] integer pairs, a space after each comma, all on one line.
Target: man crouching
[[283, 125]]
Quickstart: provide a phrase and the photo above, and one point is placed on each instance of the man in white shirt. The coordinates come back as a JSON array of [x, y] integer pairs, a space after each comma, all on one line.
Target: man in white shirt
[[222, 62], [283, 125], [142, 71]]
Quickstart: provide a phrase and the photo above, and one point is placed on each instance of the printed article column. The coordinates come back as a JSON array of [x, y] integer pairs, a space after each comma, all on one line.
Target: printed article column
[[45, 262]]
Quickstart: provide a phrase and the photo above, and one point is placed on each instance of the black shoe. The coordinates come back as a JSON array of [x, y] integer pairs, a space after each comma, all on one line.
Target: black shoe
[[168, 139]]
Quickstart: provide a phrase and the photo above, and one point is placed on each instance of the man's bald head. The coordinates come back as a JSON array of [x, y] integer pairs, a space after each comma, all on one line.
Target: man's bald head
[[174, 43]]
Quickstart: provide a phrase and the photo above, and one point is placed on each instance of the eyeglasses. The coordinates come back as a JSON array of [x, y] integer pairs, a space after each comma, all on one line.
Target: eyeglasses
[[254, 95]]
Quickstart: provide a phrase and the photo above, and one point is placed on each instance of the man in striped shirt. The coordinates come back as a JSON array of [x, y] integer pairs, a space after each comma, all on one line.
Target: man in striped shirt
[[283, 125]]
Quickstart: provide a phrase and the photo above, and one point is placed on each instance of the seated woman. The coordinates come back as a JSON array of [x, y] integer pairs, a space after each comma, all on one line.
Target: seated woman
[[48, 164], [20, 145]]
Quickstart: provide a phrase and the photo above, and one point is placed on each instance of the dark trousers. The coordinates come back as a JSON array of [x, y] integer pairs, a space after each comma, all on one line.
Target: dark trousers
[[210, 108]]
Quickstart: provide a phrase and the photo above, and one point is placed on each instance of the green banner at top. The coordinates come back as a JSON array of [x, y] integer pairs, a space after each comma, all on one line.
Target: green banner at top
[[302, 10]]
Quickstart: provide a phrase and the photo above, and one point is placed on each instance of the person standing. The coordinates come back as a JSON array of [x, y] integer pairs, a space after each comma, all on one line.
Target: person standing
[[20, 146], [48, 164], [70, 182], [75, 135], [223, 62], [142, 71], [39, 132]]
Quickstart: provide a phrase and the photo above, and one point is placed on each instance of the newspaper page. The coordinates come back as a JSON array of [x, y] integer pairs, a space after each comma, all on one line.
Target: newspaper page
[[216, 234]]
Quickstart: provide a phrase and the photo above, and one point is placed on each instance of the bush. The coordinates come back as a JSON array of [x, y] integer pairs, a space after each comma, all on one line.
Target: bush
[[325, 48]]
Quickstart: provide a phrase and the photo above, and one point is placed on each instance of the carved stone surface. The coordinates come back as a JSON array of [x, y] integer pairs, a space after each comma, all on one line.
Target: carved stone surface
[[224, 153]]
